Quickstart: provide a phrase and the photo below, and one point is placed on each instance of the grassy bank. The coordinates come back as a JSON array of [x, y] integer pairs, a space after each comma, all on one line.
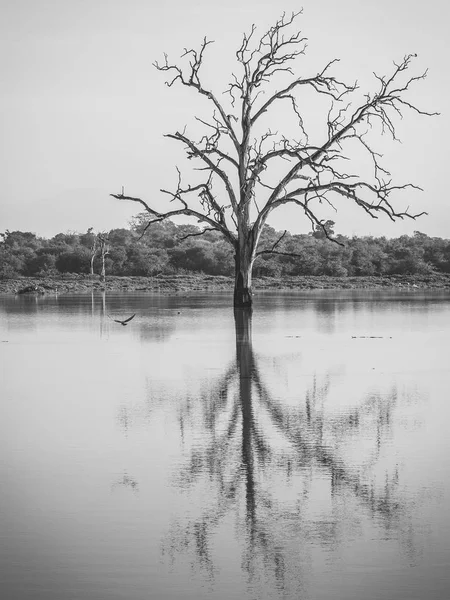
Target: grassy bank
[[197, 282]]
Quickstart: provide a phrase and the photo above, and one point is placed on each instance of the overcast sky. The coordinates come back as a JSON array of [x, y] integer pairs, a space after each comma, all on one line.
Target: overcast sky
[[83, 112]]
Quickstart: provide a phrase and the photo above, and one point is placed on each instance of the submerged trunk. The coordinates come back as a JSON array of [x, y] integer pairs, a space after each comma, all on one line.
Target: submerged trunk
[[243, 273], [243, 286]]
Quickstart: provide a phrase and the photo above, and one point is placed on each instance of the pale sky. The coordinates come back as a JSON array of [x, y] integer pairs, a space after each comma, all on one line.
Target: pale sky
[[83, 111]]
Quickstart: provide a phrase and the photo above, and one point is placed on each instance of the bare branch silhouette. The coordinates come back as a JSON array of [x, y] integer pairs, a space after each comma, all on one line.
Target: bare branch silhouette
[[237, 150]]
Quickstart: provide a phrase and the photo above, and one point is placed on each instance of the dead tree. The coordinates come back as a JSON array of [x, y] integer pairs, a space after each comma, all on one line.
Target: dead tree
[[104, 251], [249, 170], [93, 249]]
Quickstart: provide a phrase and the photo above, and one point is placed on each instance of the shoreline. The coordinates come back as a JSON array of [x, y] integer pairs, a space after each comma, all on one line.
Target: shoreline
[[72, 284]]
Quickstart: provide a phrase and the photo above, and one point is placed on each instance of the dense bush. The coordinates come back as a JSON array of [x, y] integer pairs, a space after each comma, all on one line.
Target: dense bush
[[75, 260], [169, 248]]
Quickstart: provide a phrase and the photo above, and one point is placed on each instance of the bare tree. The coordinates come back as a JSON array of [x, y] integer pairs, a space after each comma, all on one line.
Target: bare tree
[[104, 251], [249, 170], [93, 249]]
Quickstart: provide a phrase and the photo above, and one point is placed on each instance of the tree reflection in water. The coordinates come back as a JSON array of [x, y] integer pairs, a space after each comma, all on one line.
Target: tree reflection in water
[[260, 462]]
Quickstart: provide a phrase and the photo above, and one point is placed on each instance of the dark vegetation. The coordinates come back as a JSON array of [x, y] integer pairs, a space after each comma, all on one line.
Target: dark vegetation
[[168, 249]]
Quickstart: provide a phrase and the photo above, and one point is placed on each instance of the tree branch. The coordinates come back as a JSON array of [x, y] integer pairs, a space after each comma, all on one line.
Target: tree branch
[[376, 106], [195, 152], [192, 79], [271, 250], [173, 213], [199, 233], [321, 84]]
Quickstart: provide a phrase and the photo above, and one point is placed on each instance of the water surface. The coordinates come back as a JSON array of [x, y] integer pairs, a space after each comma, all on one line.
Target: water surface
[[299, 453]]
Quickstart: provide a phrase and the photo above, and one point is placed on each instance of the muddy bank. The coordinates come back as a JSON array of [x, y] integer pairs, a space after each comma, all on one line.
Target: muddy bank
[[186, 283]]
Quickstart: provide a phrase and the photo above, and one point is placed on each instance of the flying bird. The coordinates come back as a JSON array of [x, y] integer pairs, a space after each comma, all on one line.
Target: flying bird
[[124, 322]]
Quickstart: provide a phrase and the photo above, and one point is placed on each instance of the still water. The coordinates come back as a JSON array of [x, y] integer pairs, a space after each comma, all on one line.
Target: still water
[[300, 453]]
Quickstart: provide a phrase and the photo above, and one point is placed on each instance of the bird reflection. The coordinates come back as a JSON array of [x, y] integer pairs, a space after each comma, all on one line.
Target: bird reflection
[[259, 465]]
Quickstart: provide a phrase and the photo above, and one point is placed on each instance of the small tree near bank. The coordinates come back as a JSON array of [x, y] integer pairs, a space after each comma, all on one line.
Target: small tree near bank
[[103, 242], [97, 244], [93, 247], [249, 170]]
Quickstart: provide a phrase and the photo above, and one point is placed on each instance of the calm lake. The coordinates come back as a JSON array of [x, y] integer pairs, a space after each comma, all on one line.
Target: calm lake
[[300, 453]]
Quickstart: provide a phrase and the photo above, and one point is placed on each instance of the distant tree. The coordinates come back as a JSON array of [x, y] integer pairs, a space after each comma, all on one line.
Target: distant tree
[[68, 239], [258, 170], [103, 247], [121, 237], [42, 263], [162, 234], [87, 239], [76, 260], [145, 261], [322, 231], [332, 263], [18, 240], [90, 241], [194, 255], [407, 258], [11, 264], [307, 260], [436, 252], [361, 262]]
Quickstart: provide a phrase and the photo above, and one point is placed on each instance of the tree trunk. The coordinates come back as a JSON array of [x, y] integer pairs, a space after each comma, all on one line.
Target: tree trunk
[[94, 249], [103, 273], [243, 259], [104, 252]]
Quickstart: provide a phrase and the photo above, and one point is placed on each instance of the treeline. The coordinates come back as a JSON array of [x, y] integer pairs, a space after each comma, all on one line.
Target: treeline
[[167, 248]]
